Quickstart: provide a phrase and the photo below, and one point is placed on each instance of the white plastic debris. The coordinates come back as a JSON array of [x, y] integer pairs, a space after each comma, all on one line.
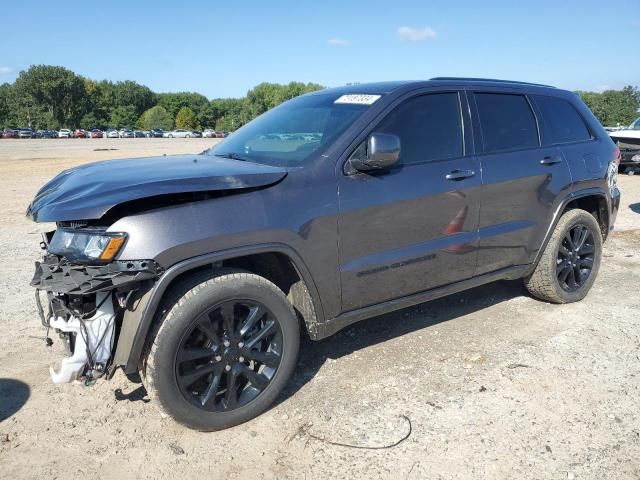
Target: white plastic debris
[[99, 338]]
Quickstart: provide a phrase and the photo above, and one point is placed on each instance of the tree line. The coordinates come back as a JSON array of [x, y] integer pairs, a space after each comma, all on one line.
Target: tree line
[[613, 107], [53, 97]]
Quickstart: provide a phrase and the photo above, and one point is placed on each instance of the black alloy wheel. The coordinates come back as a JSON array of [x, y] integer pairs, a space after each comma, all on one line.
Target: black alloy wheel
[[222, 350], [569, 263], [229, 356], [575, 258]]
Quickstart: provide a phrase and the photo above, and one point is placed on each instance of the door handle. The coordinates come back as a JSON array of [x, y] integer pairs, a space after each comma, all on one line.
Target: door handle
[[550, 161], [459, 174]]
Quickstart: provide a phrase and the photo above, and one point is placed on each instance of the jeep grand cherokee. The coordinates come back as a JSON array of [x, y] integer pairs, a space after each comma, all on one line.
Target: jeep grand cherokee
[[199, 271]]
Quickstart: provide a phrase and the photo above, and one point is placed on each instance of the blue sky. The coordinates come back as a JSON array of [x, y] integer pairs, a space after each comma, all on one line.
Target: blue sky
[[222, 49]]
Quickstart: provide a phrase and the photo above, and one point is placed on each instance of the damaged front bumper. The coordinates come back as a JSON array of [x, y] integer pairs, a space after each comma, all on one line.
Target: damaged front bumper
[[84, 304]]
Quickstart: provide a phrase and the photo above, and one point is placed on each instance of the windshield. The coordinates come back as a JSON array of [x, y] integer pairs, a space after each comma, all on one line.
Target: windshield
[[290, 133]]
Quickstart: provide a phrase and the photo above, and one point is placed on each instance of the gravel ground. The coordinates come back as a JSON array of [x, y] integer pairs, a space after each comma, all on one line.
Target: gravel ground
[[493, 383]]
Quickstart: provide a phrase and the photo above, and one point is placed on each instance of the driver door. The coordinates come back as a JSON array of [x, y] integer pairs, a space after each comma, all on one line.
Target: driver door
[[412, 227]]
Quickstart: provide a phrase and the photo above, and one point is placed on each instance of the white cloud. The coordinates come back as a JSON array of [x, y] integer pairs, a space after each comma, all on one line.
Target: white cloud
[[338, 42], [410, 34], [6, 70]]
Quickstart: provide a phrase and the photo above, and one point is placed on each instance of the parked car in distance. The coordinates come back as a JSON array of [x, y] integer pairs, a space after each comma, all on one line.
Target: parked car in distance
[[111, 133], [139, 134], [196, 134], [126, 133], [156, 132], [65, 133], [628, 140], [96, 133], [208, 133], [9, 133], [25, 133], [213, 263], [178, 133], [45, 134]]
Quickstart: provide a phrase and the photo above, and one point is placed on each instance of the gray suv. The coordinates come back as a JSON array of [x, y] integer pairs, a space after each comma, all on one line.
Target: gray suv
[[201, 272]]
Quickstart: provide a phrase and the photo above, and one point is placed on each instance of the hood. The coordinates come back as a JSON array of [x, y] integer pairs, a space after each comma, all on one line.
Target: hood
[[89, 191]]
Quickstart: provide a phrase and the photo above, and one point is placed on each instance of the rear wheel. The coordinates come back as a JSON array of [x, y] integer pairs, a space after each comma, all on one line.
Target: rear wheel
[[223, 351], [570, 262]]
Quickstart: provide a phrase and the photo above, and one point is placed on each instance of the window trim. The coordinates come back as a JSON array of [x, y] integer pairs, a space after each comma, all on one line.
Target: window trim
[[481, 151], [373, 125], [592, 136]]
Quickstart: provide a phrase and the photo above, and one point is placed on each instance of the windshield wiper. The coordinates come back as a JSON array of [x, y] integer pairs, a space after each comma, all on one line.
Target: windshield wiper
[[232, 156]]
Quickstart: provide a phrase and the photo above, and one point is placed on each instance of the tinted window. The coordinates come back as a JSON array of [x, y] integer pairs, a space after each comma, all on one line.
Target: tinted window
[[564, 122], [428, 126], [507, 122]]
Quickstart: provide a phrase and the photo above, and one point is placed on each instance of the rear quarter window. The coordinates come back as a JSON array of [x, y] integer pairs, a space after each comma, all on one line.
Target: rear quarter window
[[506, 121], [563, 120]]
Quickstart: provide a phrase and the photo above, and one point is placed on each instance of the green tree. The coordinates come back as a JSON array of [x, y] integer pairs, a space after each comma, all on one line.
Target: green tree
[[156, 117], [47, 93], [121, 117], [173, 102], [614, 106], [231, 113], [90, 121], [185, 118], [265, 96], [5, 105]]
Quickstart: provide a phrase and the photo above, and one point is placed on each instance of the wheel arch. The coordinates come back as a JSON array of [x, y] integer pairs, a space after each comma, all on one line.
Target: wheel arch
[[278, 263], [592, 200]]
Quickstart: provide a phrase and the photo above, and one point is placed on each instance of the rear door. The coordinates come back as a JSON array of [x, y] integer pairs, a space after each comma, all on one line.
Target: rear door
[[521, 179], [413, 227]]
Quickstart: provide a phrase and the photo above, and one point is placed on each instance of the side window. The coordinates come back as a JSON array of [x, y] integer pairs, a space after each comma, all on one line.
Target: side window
[[564, 122], [429, 127], [506, 121]]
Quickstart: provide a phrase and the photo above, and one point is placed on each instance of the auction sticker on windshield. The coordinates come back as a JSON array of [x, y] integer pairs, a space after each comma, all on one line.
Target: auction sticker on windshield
[[358, 99]]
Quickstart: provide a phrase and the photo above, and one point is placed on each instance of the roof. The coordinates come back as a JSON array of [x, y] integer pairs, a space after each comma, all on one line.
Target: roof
[[388, 87]]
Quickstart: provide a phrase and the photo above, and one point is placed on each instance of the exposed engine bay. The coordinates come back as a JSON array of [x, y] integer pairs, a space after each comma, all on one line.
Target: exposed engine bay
[[84, 305]]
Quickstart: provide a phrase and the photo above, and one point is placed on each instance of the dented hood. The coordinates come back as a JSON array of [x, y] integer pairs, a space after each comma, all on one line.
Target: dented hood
[[89, 191]]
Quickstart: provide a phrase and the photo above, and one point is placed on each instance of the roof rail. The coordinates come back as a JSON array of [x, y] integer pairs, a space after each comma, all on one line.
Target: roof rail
[[495, 80]]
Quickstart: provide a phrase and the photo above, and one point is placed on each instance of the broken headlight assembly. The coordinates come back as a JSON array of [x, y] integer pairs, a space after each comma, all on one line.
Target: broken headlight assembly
[[87, 246]]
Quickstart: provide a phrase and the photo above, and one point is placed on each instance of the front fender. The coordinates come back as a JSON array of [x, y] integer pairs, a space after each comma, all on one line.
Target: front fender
[[137, 321]]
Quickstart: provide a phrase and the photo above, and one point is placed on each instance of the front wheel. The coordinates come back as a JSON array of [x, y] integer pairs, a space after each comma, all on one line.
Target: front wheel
[[570, 262], [223, 351]]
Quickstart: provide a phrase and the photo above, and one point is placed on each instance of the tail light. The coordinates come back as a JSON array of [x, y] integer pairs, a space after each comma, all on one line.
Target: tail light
[[616, 156]]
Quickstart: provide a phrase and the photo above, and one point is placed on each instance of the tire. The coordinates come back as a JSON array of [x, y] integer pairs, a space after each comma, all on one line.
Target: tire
[[170, 136], [198, 305], [562, 276], [187, 136]]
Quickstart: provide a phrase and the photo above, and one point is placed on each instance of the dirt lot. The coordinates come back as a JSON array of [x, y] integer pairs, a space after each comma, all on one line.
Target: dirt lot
[[494, 383]]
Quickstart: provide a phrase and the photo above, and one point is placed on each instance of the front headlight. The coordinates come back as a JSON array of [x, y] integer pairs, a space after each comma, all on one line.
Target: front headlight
[[86, 246]]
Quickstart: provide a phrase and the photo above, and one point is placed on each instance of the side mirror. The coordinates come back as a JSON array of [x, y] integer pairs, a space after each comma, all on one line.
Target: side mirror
[[382, 152]]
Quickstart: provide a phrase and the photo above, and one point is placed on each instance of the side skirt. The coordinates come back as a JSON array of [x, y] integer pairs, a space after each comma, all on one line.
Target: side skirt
[[343, 320]]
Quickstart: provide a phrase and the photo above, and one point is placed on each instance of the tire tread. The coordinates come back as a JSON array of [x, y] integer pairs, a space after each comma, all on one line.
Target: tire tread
[[180, 294], [542, 283]]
